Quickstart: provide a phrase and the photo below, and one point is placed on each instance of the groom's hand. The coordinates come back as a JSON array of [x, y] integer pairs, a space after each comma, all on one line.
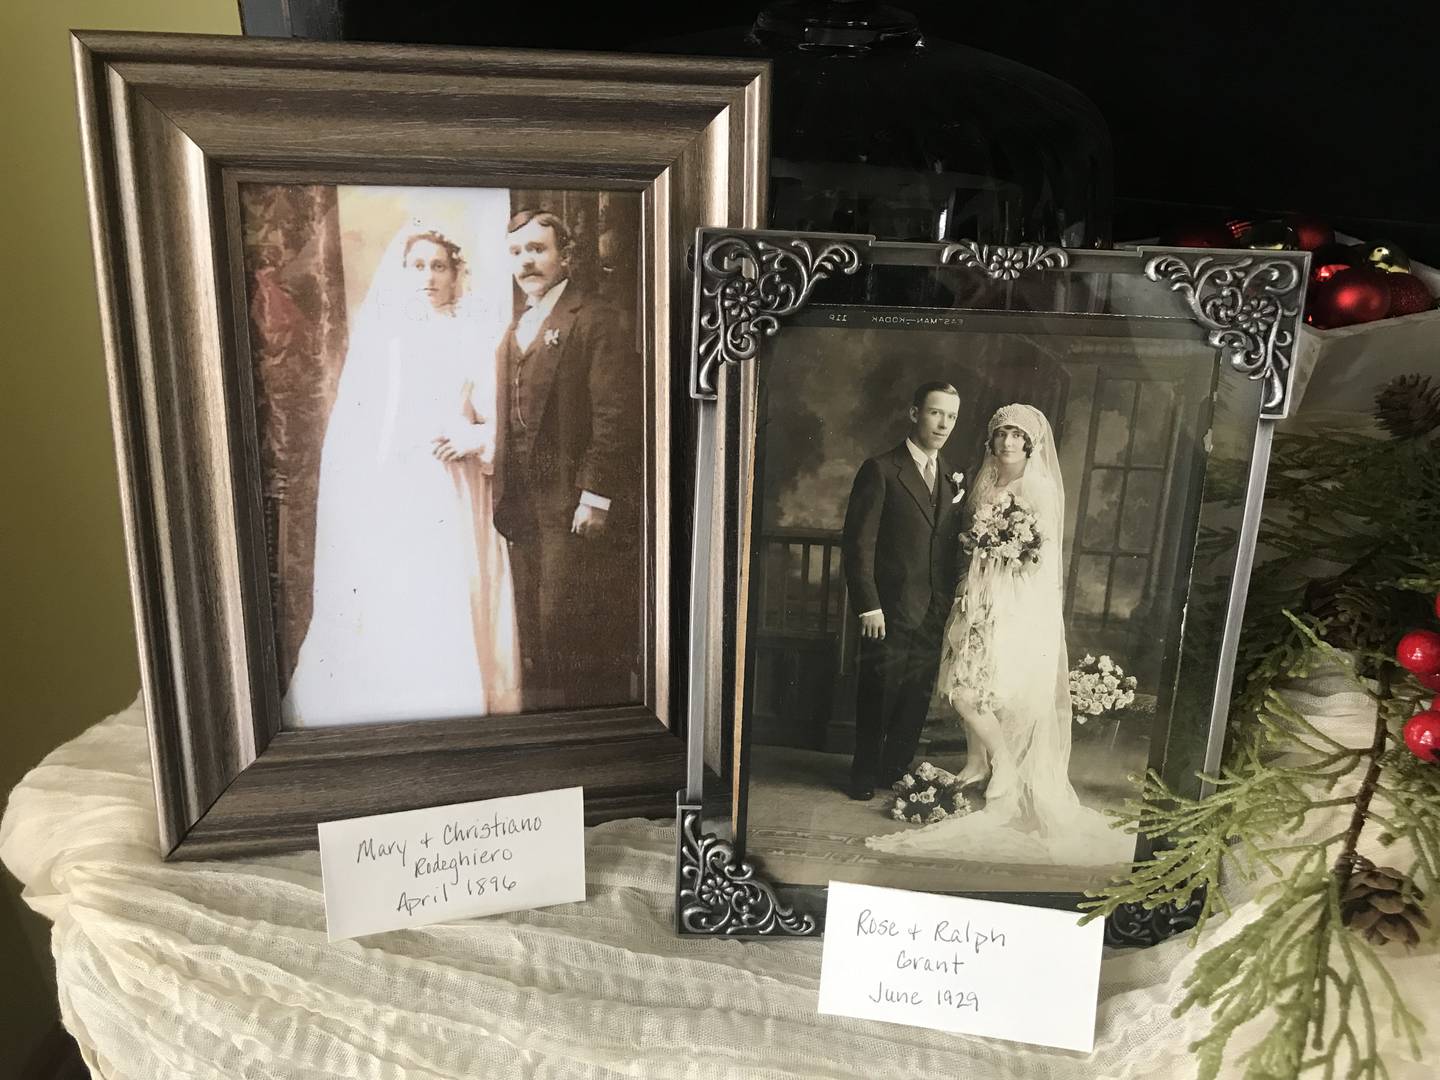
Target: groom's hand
[[872, 625], [588, 520]]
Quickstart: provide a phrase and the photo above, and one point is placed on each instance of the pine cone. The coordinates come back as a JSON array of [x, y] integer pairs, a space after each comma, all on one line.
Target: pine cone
[[1355, 617], [1408, 406], [1383, 905]]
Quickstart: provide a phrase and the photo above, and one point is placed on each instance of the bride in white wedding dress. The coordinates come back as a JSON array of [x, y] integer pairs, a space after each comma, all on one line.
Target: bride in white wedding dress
[[414, 606], [1005, 670]]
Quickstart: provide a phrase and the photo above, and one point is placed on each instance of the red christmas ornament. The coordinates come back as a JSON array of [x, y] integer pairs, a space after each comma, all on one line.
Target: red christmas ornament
[[1408, 295], [1419, 652], [1310, 232], [1329, 270], [1356, 294], [1430, 682], [1422, 735]]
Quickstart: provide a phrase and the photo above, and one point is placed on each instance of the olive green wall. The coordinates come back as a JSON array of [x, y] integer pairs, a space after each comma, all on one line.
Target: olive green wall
[[67, 646]]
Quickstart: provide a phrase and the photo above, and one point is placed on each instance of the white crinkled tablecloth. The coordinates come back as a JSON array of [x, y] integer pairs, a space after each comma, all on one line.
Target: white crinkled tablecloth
[[222, 970]]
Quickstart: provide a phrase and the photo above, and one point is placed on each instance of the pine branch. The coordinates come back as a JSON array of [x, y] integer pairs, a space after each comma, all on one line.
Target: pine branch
[[1345, 863], [1350, 544]]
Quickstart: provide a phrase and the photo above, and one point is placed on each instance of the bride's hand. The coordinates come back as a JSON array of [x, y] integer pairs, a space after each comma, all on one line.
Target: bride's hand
[[468, 440]]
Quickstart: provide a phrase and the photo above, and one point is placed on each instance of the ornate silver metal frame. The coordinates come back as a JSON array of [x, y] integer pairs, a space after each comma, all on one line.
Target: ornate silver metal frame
[[1246, 304]]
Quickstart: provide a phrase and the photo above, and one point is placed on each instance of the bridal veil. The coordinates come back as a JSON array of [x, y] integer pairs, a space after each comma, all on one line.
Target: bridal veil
[[413, 602]]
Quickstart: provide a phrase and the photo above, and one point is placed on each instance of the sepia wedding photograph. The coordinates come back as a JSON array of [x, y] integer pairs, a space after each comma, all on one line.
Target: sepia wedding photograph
[[972, 549], [452, 417]]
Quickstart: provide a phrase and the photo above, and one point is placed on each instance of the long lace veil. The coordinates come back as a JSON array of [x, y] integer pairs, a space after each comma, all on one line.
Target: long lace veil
[[1046, 759]]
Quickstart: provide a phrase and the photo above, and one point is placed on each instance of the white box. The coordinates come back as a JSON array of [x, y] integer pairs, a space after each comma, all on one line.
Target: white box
[[1338, 372]]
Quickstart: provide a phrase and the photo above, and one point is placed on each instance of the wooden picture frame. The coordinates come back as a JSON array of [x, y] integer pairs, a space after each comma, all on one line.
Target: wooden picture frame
[[807, 350], [173, 128]]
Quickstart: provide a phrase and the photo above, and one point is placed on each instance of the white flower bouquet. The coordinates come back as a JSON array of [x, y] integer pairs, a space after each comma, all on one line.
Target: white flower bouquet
[[1005, 532], [927, 795], [1098, 685]]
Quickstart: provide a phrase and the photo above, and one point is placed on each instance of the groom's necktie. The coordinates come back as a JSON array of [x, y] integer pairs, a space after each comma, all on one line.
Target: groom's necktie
[[930, 474]]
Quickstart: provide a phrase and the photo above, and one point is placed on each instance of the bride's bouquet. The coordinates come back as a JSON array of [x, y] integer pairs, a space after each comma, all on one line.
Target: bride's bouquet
[[1005, 532], [1098, 685], [928, 795]]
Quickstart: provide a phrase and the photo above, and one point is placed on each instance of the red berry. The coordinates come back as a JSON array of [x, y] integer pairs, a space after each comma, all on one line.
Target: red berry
[[1419, 651], [1422, 735], [1437, 605], [1430, 682]]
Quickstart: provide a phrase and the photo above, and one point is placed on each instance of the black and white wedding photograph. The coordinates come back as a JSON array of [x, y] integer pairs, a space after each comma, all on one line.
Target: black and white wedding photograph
[[968, 570], [451, 405]]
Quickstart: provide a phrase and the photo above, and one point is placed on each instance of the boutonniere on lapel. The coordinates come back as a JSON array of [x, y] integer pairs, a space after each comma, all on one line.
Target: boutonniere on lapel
[[552, 338], [956, 478]]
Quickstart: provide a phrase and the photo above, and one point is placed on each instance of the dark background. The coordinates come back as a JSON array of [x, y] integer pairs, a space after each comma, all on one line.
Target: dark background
[[1286, 105]]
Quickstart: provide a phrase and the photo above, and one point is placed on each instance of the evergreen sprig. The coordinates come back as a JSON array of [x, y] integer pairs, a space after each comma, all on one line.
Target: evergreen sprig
[[1351, 551]]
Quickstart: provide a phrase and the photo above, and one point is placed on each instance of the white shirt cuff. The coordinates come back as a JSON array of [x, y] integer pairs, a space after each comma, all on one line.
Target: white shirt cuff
[[873, 611], [599, 502]]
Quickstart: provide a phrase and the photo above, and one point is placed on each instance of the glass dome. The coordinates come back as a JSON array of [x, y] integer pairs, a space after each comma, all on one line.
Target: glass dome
[[876, 128]]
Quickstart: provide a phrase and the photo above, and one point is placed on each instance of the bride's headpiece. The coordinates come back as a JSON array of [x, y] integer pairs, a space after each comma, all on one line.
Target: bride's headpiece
[[1025, 417]]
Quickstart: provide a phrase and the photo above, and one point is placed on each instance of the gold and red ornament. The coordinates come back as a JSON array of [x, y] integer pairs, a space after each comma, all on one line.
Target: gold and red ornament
[[1384, 256], [1356, 294]]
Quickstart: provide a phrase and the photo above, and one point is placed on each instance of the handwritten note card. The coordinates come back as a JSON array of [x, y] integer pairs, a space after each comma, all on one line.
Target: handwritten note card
[[1026, 974], [443, 863]]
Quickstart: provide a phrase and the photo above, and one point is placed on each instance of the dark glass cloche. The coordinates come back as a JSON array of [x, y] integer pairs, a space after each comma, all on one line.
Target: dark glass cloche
[[878, 129]]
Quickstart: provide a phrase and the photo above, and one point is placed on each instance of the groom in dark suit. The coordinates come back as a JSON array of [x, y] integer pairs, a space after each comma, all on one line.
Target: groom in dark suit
[[901, 546], [568, 478]]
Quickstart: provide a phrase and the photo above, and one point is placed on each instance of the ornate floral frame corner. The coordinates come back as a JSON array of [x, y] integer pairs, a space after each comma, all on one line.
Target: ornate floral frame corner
[[1246, 304]]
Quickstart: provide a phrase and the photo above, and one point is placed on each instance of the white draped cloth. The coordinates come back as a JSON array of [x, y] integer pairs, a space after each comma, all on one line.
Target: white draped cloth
[[216, 971]]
